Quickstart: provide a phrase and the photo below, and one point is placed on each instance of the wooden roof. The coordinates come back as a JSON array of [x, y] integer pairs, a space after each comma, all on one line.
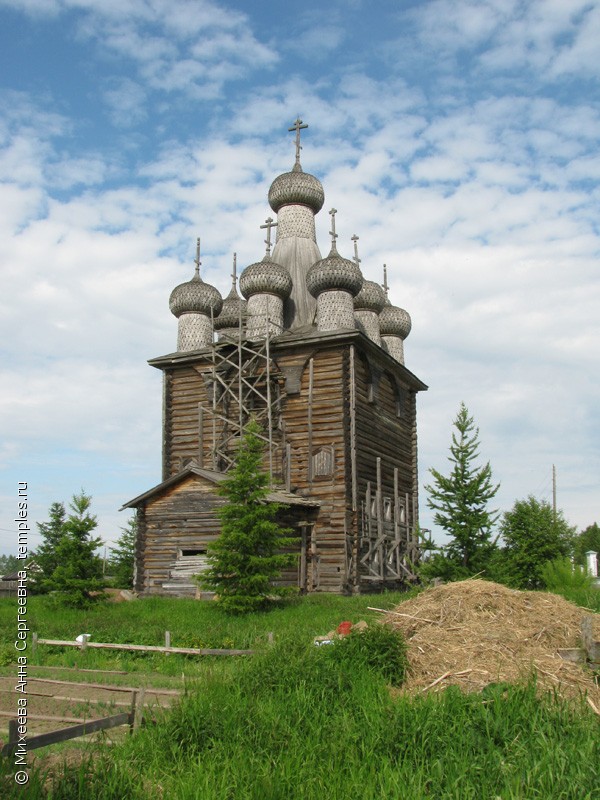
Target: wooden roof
[[300, 337], [275, 495]]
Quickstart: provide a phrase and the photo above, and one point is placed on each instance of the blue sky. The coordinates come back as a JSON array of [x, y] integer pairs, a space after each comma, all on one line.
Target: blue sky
[[458, 139]]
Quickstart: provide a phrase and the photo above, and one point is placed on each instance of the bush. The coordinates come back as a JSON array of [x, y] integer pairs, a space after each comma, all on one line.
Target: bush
[[379, 648]]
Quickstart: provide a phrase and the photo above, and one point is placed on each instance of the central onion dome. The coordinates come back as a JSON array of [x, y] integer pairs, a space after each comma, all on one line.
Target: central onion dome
[[195, 297], [395, 321], [296, 188], [370, 298], [266, 277], [334, 273]]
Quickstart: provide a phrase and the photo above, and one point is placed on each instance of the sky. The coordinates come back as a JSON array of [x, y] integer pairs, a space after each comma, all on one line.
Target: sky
[[457, 138]]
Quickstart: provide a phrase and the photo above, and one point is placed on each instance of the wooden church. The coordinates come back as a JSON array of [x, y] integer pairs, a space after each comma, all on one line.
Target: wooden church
[[315, 353]]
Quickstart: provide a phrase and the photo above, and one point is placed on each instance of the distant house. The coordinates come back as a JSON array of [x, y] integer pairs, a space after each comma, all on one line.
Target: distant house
[[9, 582]]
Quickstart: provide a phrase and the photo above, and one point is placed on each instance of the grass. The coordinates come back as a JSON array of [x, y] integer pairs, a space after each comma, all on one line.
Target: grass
[[298, 722], [191, 624], [295, 722]]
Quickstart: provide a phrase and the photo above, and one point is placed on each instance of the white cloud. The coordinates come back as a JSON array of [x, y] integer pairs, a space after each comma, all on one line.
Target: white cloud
[[483, 205]]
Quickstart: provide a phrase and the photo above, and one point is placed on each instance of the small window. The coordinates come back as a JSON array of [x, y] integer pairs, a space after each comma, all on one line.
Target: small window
[[322, 463]]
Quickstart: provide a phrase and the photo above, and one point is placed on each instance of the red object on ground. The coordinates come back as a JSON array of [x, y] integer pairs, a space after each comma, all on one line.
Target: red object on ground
[[344, 627]]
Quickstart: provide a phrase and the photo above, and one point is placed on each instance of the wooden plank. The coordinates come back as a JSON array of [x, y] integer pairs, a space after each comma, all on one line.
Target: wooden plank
[[63, 735], [42, 717], [150, 648], [108, 686]]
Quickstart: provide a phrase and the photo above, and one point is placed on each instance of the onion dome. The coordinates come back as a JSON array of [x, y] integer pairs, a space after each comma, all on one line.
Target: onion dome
[[195, 296], [233, 305], [266, 277], [296, 188], [370, 298], [394, 321], [334, 273]]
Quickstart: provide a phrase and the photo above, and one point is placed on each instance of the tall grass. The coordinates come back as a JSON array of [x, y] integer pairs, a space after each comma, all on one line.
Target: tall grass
[[572, 582], [298, 722]]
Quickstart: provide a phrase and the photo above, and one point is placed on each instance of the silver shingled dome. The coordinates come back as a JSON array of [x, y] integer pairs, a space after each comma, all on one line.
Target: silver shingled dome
[[394, 321], [371, 297], [296, 188], [266, 277], [230, 313], [197, 297], [334, 273]]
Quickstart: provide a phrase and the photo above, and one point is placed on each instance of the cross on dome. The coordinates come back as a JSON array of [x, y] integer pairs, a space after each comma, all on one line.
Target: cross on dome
[[268, 225], [234, 272], [355, 239], [386, 288], [298, 126], [197, 261], [332, 232]]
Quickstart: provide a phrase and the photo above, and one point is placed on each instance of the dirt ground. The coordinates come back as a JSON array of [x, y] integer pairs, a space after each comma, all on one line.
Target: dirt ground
[[58, 698]]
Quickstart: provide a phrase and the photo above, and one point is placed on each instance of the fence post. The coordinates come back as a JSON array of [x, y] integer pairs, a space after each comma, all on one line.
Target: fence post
[[34, 641], [139, 709], [167, 640], [134, 695], [13, 733]]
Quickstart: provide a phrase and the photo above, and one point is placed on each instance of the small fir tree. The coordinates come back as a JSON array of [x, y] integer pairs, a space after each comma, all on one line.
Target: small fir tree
[[461, 499], [247, 557], [123, 555], [78, 571], [46, 557]]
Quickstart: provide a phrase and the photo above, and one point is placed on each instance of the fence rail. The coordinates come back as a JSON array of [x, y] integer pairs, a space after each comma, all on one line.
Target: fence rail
[[133, 718], [192, 651]]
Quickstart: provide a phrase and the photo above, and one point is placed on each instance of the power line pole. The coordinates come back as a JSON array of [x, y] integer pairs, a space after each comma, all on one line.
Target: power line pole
[[554, 493]]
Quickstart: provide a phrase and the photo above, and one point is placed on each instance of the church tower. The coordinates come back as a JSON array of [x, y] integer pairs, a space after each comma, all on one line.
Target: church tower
[[315, 354]]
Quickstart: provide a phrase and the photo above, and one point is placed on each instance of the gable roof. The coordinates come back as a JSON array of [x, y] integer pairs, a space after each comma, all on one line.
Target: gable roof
[[275, 495]]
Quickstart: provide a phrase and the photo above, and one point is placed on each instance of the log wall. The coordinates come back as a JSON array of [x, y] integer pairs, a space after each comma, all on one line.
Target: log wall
[[316, 435], [343, 406]]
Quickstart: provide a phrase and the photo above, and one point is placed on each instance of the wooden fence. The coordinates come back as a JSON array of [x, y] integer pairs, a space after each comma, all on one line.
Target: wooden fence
[[193, 651], [133, 718]]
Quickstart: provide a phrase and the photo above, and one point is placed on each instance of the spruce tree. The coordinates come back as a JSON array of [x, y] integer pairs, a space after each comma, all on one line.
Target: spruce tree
[[78, 571], [461, 499], [247, 557], [123, 555], [45, 556]]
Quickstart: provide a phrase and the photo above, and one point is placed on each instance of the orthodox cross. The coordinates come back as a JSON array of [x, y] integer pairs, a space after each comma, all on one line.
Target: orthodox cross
[[298, 126], [234, 273], [197, 261], [332, 232], [386, 288], [268, 225], [355, 240]]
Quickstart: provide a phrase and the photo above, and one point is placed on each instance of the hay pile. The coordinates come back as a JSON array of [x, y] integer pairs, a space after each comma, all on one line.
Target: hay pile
[[473, 633]]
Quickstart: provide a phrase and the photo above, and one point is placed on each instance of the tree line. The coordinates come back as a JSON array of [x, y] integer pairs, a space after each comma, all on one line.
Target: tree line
[[514, 547]]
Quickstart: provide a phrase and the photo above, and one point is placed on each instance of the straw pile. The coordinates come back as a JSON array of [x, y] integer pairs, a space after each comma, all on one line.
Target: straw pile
[[473, 633]]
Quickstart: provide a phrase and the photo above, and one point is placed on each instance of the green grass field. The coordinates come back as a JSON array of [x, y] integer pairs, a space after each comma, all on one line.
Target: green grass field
[[297, 721]]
